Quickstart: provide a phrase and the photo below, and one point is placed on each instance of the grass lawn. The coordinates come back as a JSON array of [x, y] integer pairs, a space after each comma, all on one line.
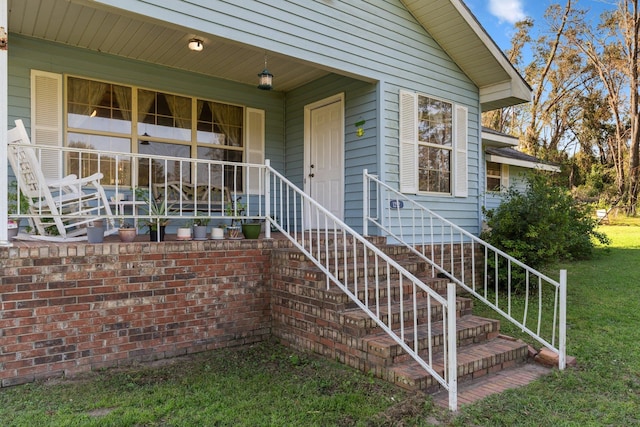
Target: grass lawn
[[268, 385]]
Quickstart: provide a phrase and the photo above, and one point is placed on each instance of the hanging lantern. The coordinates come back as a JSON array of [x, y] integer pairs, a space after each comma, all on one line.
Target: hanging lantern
[[265, 78]]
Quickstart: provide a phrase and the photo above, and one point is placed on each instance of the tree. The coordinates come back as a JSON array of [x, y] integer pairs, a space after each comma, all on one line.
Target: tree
[[612, 51]]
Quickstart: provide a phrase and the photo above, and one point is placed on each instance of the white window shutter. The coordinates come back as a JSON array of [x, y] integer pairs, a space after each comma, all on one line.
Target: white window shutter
[[504, 178], [408, 142], [254, 146], [461, 184], [46, 119]]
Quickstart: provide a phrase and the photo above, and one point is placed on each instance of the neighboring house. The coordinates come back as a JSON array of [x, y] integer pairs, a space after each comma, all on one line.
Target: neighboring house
[[506, 167], [396, 87]]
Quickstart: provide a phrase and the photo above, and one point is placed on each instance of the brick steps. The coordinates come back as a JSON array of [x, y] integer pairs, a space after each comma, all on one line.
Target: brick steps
[[469, 329], [309, 316], [474, 361], [357, 318]]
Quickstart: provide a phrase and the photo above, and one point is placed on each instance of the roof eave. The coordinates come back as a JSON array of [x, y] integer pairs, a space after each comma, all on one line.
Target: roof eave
[[464, 39], [522, 163], [495, 139]]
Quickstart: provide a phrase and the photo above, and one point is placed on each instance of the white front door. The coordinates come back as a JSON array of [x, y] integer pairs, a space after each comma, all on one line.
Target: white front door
[[324, 156]]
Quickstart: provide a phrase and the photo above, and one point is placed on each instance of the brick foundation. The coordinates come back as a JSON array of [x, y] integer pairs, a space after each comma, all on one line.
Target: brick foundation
[[73, 307]]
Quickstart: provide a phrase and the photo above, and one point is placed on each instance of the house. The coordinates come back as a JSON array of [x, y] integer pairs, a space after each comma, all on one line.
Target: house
[[506, 167], [314, 93], [394, 87]]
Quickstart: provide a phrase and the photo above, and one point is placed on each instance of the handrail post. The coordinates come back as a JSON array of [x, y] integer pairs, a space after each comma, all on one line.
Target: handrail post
[[562, 344], [267, 198], [452, 347], [365, 204]]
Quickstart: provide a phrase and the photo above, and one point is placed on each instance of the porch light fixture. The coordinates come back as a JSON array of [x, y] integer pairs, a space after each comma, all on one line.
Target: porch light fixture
[[196, 44], [265, 78]]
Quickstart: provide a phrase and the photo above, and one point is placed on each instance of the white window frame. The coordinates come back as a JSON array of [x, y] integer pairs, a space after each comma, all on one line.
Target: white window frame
[[503, 177], [49, 121], [409, 145]]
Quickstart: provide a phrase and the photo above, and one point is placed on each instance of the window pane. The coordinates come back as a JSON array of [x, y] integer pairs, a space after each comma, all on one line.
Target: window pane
[[494, 175], [164, 116], [220, 124], [493, 169], [98, 106], [493, 184], [434, 169], [84, 164], [435, 121], [158, 169]]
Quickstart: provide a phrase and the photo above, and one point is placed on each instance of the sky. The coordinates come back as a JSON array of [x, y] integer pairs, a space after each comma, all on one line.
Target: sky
[[498, 16]]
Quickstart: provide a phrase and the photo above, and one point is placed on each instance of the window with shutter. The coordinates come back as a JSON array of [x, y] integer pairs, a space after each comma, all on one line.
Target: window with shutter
[[433, 145]]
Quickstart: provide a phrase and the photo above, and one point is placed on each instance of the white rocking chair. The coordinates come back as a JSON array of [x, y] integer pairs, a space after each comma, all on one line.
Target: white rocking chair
[[59, 210]]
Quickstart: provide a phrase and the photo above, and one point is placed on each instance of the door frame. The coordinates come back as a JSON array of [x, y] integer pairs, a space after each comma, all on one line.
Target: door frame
[[339, 97]]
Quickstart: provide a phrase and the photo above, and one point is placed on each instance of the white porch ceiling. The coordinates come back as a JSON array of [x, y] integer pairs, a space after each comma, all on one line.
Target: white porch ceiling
[[91, 25], [82, 24]]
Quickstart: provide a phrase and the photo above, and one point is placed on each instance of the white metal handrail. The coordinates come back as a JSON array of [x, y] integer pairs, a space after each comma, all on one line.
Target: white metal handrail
[[366, 274], [434, 239], [305, 223], [188, 176]]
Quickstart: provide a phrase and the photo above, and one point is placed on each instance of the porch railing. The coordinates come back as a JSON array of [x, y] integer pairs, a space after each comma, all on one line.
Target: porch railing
[[152, 189], [489, 274], [367, 275], [372, 280]]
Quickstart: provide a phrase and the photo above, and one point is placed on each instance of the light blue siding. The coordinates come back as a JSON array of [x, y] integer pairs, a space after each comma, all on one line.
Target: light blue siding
[[27, 54], [517, 181], [376, 48]]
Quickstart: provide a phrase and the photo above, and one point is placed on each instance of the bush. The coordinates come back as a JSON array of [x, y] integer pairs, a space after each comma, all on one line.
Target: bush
[[543, 224]]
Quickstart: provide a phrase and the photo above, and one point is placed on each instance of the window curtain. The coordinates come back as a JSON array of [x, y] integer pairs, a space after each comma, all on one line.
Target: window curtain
[[228, 118], [180, 109], [86, 92], [145, 100], [123, 97]]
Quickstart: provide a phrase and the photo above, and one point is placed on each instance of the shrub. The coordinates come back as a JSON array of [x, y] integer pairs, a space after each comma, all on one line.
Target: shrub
[[543, 224]]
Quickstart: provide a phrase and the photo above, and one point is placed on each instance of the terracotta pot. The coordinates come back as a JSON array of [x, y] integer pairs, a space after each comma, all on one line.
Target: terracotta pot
[[127, 234]]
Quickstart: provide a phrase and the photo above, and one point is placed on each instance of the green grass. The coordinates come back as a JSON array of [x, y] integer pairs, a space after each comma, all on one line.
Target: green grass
[[603, 317], [268, 385]]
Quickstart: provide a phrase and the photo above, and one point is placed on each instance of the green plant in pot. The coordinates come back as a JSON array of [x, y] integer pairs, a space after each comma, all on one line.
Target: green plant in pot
[[250, 227], [157, 215], [200, 224], [15, 208]]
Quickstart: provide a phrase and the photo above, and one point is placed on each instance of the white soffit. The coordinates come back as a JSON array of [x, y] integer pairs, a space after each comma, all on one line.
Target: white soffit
[[460, 34]]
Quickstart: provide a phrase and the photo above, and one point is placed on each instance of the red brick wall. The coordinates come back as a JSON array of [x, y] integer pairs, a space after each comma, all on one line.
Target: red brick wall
[[73, 307]]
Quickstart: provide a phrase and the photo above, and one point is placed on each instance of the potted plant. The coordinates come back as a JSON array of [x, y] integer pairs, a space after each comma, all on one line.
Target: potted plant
[[200, 227], [234, 209], [126, 232], [95, 231], [157, 210], [250, 228], [183, 233], [14, 208]]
